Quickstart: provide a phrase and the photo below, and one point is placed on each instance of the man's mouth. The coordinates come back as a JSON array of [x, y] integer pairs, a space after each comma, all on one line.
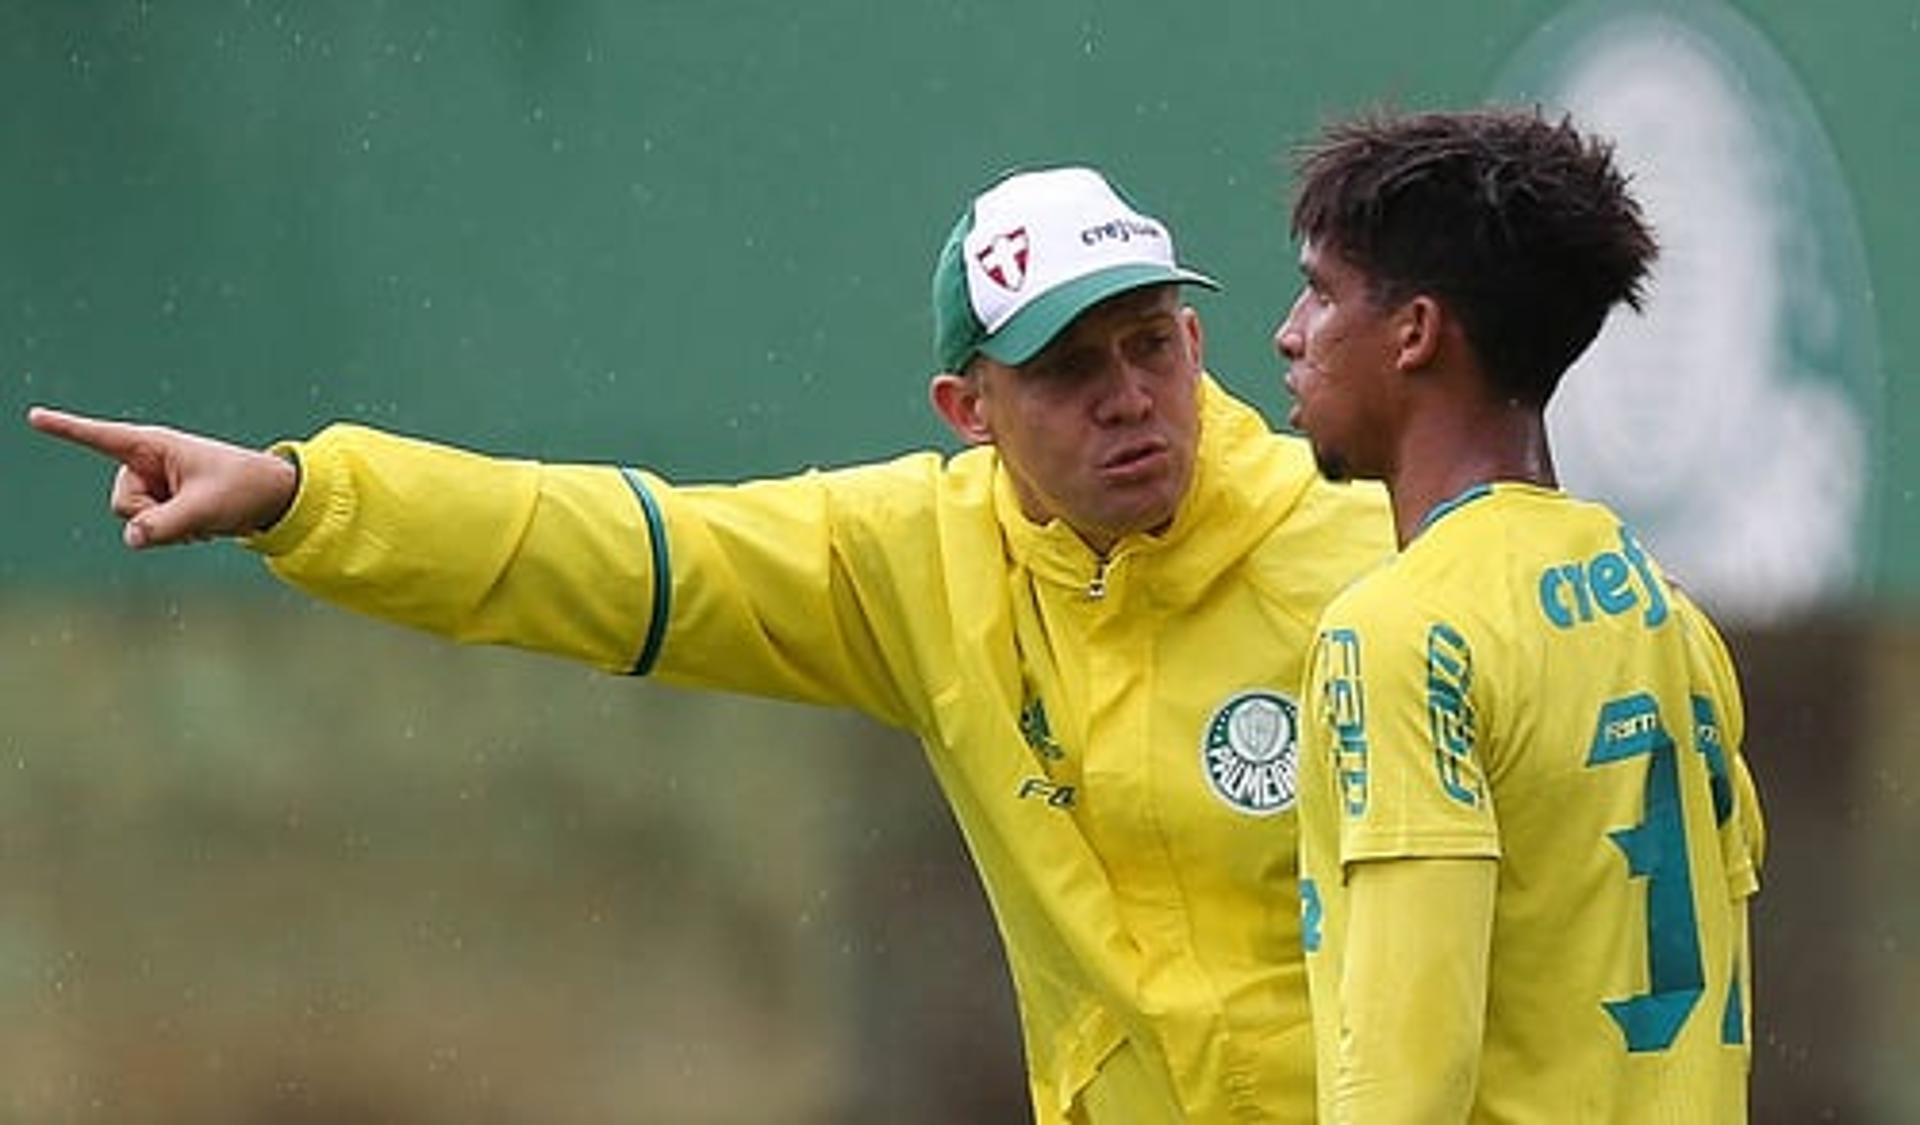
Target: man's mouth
[[1134, 460]]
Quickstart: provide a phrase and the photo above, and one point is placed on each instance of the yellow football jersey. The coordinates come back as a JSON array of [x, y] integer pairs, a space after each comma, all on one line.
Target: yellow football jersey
[[1523, 685]]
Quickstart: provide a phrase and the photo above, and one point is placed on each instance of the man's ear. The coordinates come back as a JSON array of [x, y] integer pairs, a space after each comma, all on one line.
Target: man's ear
[[1419, 325], [956, 398], [1196, 335]]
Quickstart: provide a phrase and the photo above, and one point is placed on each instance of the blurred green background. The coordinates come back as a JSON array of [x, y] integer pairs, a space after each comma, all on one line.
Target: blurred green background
[[262, 862]]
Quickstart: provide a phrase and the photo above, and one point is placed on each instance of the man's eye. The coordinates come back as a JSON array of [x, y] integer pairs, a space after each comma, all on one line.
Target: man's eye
[[1066, 367]]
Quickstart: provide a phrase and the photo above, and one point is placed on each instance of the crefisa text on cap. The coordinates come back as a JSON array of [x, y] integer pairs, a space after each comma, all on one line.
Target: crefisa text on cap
[[1122, 229]]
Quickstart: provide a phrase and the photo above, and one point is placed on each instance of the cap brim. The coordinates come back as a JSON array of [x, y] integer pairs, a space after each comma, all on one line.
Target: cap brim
[[1035, 326]]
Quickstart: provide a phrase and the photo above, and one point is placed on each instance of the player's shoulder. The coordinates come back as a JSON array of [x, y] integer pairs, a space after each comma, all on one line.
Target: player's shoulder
[[1474, 565], [1496, 542], [1387, 602], [1707, 646]]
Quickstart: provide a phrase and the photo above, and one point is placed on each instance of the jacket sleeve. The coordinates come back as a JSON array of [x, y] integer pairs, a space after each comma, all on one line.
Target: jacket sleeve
[[731, 587]]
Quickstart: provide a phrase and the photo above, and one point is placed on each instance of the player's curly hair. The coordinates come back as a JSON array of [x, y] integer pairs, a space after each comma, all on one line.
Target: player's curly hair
[[1522, 227]]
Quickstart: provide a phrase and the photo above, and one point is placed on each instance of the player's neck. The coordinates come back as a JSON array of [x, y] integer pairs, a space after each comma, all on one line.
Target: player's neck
[[1443, 453]]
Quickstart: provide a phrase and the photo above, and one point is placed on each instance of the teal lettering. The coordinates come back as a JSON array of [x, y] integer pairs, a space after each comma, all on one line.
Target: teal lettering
[[1344, 710], [1450, 712], [1656, 596], [1570, 591], [1607, 576], [1577, 578], [1733, 1021], [1550, 604], [1310, 914], [1706, 737], [1656, 851]]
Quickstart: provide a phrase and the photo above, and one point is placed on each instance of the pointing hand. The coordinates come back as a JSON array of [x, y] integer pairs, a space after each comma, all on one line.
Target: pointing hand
[[177, 487]]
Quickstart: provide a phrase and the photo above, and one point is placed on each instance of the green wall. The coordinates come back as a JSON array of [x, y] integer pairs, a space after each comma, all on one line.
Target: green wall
[[697, 236], [266, 862]]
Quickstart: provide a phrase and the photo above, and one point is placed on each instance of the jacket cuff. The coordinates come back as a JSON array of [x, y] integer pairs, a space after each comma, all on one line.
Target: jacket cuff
[[302, 516]]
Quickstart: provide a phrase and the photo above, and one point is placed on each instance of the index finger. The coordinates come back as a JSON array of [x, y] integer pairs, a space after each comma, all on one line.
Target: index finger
[[115, 439]]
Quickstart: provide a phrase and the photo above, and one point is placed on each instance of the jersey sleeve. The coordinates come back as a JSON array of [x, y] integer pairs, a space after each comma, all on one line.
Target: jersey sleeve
[[1720, 713], [1402, 691], [1413, 994]]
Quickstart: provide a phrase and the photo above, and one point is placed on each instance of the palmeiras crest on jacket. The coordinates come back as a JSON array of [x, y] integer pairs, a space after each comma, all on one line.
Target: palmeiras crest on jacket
[[1249, 752]]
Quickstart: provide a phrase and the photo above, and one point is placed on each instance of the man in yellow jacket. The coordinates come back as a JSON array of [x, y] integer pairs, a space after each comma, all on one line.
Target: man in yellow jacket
[[1094, 619]]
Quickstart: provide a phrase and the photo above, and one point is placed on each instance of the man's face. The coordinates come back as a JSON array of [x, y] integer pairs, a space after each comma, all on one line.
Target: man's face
[[1340, 346], [1100, 428]]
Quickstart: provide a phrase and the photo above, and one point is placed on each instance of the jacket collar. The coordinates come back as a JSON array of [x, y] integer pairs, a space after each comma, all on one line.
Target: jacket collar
[[1245, 480]]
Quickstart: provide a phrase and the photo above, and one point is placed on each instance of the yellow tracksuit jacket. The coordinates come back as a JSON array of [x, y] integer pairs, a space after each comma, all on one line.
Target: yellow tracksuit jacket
[[1116, 738]]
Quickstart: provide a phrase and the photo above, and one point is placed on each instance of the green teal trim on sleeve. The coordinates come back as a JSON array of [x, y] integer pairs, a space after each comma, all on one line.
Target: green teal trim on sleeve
[[662, 573]]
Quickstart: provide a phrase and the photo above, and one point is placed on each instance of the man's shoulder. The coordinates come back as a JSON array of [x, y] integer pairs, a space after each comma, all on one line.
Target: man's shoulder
[[1352, 520], [917, 478], [1328, 538], [1275, 471], [922, 495]]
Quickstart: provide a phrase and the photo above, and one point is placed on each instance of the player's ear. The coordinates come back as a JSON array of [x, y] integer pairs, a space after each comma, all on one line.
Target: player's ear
[[1418, 325], [957, 399]]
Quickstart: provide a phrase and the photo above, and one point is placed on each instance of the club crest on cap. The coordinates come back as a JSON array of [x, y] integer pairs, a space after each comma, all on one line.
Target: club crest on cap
[[1004, 259]]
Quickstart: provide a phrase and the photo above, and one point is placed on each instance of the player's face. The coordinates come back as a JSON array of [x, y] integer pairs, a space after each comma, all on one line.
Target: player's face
[[1339, 347], [1100, 428]]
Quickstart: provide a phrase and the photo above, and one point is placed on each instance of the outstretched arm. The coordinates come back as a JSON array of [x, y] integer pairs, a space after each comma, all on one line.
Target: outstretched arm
[[176, 487], [738, 587]]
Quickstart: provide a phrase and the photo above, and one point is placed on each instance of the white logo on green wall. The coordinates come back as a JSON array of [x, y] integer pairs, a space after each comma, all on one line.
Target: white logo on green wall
[[1731, 423]]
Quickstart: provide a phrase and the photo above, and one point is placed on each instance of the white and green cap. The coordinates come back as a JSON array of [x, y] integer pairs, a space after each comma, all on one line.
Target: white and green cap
[[1036, 250]]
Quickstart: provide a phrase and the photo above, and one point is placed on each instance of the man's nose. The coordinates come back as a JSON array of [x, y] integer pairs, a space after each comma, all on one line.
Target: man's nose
[[1126, 395], [1286, 341], [1289, 339]]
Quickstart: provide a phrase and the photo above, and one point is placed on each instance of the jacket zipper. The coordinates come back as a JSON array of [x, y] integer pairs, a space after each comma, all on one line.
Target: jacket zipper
[[1097, 588]]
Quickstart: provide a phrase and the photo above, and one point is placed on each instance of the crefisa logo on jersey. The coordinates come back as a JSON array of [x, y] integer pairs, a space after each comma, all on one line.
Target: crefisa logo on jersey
[[1249, 752]]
